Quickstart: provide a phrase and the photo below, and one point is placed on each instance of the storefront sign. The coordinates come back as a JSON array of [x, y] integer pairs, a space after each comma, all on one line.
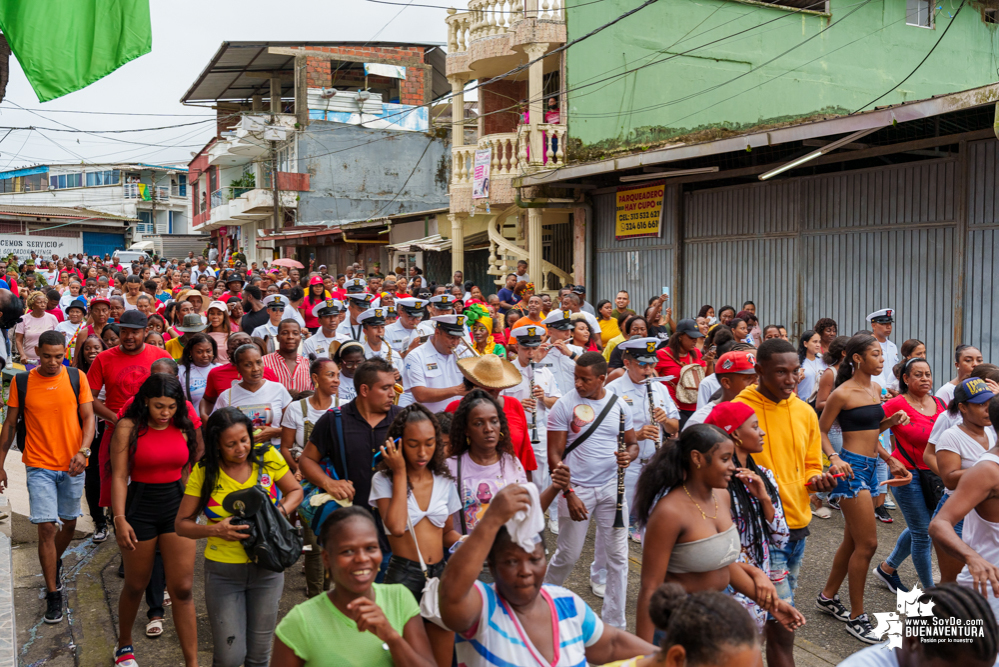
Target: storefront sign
[[43, 246], [480, 184], [639, 210]]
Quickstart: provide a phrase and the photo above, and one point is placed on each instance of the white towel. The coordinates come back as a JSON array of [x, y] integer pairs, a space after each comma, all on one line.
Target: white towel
[[525, 525]]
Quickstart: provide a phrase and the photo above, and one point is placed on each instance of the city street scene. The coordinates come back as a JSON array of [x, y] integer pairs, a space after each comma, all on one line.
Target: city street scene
[[499, 333]]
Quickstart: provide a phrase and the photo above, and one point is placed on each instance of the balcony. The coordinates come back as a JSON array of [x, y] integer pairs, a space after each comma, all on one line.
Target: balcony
[[511, 154], [250, 139], [494, 30], [257, 204], [144, 191]]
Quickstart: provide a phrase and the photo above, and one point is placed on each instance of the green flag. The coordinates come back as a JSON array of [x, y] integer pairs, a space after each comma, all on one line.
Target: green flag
[[66, 45]]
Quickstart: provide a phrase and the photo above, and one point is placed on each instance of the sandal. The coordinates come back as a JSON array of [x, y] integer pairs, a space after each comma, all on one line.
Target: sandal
[[822, 512], [154, 628], [166, 599]]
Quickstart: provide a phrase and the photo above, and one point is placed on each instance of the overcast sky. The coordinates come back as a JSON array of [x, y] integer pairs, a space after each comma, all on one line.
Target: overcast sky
[[186, 33]]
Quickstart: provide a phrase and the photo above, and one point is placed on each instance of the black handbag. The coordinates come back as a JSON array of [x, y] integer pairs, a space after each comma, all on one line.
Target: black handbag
[[930, 483], [273, 543]]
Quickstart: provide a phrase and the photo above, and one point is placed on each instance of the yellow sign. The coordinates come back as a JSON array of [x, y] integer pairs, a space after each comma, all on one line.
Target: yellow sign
[[639, 210]]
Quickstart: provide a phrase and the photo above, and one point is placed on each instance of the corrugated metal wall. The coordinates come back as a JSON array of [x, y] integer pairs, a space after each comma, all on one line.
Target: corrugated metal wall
[[740, 243], [641, 266], [983, 240]]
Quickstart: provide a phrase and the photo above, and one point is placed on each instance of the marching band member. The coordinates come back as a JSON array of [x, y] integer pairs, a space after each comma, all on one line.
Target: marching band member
[[557, 354], [268, 331], [402, 333], [431, 375], [350, 328], [443, 304], [374, 345], [318, 344]]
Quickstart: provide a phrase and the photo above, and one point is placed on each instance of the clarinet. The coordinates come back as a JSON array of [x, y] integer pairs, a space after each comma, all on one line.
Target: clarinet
[[534, 413], [619, 516], [652, 414]]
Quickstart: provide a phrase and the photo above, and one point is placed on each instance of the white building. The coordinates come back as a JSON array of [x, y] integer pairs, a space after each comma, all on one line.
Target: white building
[[155, 195]]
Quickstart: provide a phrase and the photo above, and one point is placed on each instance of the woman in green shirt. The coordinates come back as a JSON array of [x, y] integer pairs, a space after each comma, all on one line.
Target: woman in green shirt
[[358, 623]]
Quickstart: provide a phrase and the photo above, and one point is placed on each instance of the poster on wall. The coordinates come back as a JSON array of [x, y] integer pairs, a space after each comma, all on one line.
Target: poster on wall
[[43, 246], [639, 211], [480, 184]]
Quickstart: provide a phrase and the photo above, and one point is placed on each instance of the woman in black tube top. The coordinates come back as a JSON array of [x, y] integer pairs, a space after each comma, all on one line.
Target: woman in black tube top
[[856, 404]]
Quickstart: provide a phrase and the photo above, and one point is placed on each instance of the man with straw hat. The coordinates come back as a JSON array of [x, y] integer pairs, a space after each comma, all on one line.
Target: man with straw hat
[[431, 375], [493, 374]]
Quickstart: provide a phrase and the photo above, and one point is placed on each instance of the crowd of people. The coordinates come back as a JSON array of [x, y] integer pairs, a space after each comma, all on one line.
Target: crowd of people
[[412, 443]]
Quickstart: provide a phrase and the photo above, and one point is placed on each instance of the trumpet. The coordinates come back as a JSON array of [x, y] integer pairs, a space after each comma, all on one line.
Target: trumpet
[[461, 342], [534, 413]]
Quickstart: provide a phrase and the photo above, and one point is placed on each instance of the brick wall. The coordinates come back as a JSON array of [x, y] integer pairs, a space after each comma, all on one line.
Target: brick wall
[[319, 72], [500, 95]]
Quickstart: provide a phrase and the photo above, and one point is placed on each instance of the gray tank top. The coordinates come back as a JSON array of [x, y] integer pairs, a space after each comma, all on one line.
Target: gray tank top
[[706, 555]]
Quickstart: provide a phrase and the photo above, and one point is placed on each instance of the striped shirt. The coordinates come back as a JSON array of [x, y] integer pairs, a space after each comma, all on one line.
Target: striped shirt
[[295, 382]]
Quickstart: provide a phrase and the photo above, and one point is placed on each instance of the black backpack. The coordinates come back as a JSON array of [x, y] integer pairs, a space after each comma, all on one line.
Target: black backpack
[[21, 382]]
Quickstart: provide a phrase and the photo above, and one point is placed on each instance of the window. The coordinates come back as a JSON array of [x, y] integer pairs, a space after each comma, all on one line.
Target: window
[[62, 181], [195, 205], [145, 225], [182, 181], [919, 13], [990, 15]]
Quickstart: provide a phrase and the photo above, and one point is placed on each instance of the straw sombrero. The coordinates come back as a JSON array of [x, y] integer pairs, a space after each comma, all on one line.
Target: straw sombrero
[[490, 372]]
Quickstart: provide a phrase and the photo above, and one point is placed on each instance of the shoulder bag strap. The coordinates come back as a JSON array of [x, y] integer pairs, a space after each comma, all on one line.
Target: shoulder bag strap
[[409, 525], [338, 418], [461, 493], [593, 427]]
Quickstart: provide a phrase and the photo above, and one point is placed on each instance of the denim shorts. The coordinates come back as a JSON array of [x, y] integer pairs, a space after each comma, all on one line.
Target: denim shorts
[[865, 476], [53, 495], [959, 526]]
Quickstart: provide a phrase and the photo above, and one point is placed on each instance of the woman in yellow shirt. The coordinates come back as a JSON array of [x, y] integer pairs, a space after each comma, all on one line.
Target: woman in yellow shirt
[[608, 323]]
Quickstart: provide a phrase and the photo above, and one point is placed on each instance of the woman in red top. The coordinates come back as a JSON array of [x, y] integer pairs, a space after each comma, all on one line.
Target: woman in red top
[[680, 351], [152, 447], [316, 294], [916, 399]]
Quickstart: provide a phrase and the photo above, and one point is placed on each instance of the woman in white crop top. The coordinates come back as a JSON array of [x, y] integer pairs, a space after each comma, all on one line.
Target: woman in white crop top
[[415, 495]]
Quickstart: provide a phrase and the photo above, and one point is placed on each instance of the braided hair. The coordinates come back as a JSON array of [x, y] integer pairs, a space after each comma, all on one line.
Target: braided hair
[[966, 604], [746, 511]]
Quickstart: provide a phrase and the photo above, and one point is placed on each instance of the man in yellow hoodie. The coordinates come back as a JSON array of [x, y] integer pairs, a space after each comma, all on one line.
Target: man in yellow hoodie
[[792, 450]]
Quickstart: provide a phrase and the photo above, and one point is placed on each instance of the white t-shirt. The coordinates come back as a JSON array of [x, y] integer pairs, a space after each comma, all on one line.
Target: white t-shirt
[[444, 500], [945, 421], [542, 378], [292, 418], [700, 414], [264, 407], [346, 392], [956, 440], [68, 329], [946, 393], [593, 463], [709, 385], [813, 371], [199, 380]]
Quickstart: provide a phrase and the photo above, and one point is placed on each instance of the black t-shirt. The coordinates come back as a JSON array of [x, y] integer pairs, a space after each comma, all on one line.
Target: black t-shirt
[[251, 321], [361, 444]]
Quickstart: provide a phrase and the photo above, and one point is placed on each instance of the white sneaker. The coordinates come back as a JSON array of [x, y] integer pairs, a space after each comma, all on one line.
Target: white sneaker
[[598, 589], [889, 503], [553, 525]]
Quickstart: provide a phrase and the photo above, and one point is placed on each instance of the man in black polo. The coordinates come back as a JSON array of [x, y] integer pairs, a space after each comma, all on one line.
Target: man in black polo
[[365, 421]]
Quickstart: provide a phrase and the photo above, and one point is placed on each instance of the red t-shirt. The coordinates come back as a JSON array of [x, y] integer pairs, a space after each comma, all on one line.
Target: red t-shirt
[[913, 436], [160, 456], [668, 366], [520, 436], [222, 377], [122, 374]]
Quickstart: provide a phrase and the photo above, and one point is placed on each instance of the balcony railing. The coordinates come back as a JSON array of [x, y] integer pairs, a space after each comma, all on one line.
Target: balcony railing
[[462, 164], [552, 145], [511, 153], [145, 191], [494, 17], [225, 194], [458, 26]]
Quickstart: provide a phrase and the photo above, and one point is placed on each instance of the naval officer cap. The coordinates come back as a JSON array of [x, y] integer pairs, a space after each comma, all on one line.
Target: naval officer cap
[[443, 302], [528, 336], [276, 302], [883, 316], [355, 285], [451, 324], [327, 307], [374, 317], [560, 320], [361, 299], [642, 350], [412, 306]]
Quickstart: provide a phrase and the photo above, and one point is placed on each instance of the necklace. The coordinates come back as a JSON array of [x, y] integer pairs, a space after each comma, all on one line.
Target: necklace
[[703, 515]]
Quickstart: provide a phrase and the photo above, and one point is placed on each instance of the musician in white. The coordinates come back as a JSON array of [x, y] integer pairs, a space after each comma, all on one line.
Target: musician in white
[[557, 354], [443, 304], [350, 328], [537, 402], [373, 323], [267, 332], [430, 373], [403, 333], [329, 313]]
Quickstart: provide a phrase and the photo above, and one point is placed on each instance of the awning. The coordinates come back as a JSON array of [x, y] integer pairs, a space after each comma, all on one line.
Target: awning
[[435, 243]]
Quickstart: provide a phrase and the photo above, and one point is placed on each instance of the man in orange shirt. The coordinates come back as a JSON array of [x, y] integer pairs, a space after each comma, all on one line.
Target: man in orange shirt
[[59, 424]]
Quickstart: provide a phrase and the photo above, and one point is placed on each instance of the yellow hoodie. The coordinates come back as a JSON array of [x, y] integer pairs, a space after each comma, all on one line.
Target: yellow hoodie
[[792, 449]]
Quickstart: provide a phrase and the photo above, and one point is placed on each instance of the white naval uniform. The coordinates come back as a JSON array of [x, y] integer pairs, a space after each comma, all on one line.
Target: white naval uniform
[[346, 331], [318, 344], [386, 353], [427, 327], [267, 332], [889, 353], [426, 367], [542, 378], [562, 367], [399, 337]]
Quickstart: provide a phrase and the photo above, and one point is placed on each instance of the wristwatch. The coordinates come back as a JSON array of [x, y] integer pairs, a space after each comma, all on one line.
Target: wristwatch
[[86, 452]]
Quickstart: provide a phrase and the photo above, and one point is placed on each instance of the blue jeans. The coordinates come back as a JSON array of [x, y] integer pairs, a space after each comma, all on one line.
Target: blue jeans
[[54, 496], [787, 560], [915, 539], [959, 526]]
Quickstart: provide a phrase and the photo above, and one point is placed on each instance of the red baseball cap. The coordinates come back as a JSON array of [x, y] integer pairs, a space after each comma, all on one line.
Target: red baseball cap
[[737, 361], [729, 416]]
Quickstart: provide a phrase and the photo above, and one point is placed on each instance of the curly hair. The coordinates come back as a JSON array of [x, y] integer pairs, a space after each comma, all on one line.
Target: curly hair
[[159, 385], [459, 424], [412, 414], [187, 358]]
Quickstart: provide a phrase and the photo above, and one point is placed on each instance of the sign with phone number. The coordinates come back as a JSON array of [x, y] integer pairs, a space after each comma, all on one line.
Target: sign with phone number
[[639, 211]]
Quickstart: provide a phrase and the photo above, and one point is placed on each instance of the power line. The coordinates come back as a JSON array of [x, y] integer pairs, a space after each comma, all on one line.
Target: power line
[[925, 58], [112, 113]]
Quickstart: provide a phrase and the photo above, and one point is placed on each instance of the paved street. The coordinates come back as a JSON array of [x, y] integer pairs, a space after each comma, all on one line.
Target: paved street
[[93, 585]]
